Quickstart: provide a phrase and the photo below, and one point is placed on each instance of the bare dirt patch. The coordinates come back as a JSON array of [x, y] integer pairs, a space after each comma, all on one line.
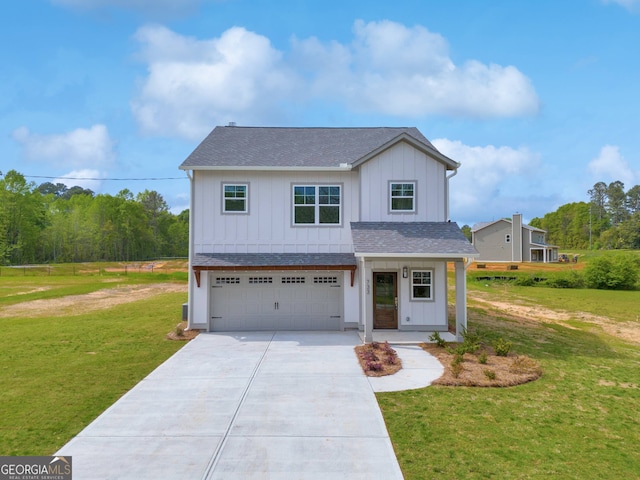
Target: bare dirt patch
[[536, 314], [378, 359], [496, 372], [98, 300]]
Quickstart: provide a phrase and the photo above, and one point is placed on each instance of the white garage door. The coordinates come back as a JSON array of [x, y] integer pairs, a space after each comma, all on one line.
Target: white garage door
[[282, 301]]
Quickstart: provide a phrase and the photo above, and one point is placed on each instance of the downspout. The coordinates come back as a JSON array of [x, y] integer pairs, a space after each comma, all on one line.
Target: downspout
[[191, 240], [453, 174]]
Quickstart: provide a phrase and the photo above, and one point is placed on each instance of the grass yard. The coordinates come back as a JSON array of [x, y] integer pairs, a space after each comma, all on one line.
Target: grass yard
[[579, 421], [57, 373]]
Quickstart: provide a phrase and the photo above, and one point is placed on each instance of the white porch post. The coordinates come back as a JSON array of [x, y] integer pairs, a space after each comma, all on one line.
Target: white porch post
[[461, 299], [365, 302]]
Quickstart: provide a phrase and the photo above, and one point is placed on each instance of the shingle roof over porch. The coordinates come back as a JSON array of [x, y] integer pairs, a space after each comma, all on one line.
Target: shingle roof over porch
[[272, 261], [420, 239]]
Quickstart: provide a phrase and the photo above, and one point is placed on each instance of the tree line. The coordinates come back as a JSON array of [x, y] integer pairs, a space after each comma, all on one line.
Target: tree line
[[610, 220], [50, 223]]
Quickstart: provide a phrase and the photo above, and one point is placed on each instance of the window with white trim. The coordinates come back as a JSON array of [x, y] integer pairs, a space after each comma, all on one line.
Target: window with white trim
[[235, 198], [317, 204], [422, 285], [402, 196]]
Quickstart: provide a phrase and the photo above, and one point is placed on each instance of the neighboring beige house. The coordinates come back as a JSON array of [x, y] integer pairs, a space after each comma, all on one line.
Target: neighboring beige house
[[322, 229], [511, 241]]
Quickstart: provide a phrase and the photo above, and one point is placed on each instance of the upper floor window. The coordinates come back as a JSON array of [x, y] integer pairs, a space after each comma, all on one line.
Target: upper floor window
[[403, 196], [316, 204], [235, 198], [421, 285], [507, 238]]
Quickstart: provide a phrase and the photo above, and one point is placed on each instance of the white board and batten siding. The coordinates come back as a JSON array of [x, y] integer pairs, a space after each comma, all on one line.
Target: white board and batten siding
[[268, 226], [403, 163]]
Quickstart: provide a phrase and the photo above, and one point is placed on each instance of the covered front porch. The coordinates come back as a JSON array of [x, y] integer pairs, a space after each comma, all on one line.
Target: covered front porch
[[544, 253], [403, 281]]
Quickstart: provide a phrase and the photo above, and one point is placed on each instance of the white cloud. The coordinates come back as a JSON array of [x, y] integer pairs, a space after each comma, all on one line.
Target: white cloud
[[194, 85], [610, 166], [489, 180], [86, 178], [393, 69], [75, 149], [631, 5]]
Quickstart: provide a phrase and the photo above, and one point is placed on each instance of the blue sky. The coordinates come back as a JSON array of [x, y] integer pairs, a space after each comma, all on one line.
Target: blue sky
[[538, 100]]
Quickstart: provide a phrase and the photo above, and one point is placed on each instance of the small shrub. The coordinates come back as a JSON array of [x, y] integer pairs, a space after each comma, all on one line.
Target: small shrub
[[502, 347], [369, 356], [525, 281], [374, 366], [456, 369], [482, 359], [461, 349], [471, 340], [375, 345], [179, 331], [392, 359], [523, 365], [386, 348], [449, 350], [435, 337], [458, 358], [490, 374]]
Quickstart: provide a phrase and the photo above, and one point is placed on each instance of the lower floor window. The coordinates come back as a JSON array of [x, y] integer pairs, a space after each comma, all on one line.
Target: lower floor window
[[421, 285]]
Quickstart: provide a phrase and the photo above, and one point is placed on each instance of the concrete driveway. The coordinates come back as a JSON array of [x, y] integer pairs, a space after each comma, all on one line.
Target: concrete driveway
[[268, 405]]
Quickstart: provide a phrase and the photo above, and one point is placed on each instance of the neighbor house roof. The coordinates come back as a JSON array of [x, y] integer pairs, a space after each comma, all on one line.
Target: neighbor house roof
[[270, 147], [481, 225], [415, 239]]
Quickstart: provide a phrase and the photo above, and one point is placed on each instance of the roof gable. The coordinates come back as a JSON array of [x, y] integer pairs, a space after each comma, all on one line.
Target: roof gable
[[278, 147]]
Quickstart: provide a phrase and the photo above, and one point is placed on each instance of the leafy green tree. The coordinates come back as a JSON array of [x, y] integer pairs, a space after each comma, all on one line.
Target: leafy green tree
[[22, 216], [633, 199], [617, 202], [466, 230]]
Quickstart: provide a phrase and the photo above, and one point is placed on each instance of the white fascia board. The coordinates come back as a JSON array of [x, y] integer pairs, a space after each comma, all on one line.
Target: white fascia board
[[417, 255], [346, 168]]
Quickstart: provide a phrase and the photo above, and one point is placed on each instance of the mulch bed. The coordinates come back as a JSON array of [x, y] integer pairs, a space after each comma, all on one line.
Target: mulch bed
[[180, 333], [507, 371], [378, 359]]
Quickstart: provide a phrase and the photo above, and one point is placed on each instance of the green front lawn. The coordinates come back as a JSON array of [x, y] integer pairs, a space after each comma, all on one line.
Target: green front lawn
[[59, 373], [579, 421]]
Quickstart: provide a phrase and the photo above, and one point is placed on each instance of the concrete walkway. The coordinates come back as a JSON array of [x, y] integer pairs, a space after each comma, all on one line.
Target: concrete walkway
[[261, 405]]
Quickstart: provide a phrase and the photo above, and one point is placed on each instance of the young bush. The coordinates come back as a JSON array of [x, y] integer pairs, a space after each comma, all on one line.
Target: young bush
[[502, 347], [612, 272], [374, 366], [482, 358], [456, 369], [435, 337], [523, 365], [490, 374], [471, 341]]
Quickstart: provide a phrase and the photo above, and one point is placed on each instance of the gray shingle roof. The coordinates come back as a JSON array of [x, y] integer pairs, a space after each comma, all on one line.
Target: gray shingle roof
[[256, 260], [438, 239], [292, 147]]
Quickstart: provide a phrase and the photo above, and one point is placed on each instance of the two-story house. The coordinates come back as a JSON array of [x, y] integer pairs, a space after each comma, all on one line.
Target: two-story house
[[507, 240], [322, 229]]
